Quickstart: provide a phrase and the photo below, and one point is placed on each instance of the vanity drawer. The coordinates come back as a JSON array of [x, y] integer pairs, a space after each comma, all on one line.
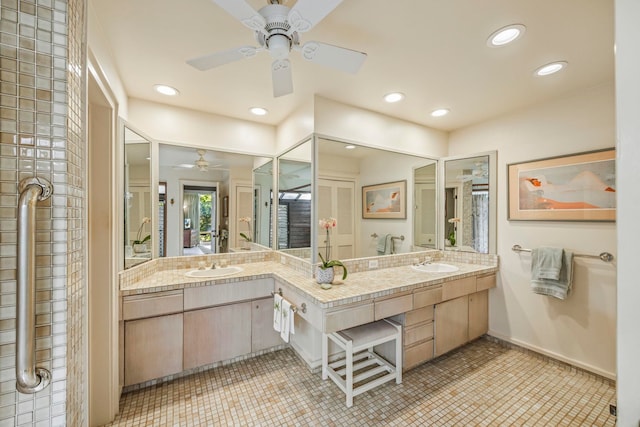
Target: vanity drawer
[[392, 306], [485, 282], [458, 288], [420, 315], [150, 305], [418, 333], [348, 318], [427, 297], [226, 293], [417, 354]]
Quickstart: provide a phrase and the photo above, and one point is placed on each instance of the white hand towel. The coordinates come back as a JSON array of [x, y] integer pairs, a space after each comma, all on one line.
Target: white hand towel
[[277, 312], [287, 318]]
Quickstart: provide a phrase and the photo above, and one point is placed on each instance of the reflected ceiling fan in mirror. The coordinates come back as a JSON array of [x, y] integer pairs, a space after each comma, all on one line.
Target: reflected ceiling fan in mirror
[[201, 163], [277, 30]]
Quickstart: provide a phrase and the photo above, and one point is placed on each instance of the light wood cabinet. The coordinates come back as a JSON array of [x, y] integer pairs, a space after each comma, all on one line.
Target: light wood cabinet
[[478, 314], [452, 324], [217, 333], [262, 333], [153, 348]]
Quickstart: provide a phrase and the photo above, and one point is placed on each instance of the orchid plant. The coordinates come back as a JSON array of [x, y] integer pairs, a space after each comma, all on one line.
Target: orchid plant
[[145, 220], [328, 224], [246, 219], [452, 230]]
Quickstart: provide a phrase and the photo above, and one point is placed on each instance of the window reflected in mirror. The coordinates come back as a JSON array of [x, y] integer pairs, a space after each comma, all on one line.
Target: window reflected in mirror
[[467, 204], [295, 202], [207, 206]]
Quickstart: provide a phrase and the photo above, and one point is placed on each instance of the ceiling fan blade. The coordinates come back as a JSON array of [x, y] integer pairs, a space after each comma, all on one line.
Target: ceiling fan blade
[[340, 58], [305, 14], [243, 12], [281, 75], [217, 59]]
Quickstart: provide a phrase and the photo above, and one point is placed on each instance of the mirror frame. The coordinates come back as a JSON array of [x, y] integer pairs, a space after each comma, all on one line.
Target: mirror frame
[[493, 197]]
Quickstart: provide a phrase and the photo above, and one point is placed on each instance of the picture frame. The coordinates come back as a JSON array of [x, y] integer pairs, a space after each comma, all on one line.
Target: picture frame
[[575, 187], [385, 201]]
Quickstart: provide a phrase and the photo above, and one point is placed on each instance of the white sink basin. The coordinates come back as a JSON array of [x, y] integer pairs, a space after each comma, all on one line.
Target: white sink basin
[[215, 272], [435, 267]]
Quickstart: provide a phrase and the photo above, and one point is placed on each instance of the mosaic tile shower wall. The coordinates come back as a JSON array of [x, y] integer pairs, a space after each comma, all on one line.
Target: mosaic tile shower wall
[[42, 57]]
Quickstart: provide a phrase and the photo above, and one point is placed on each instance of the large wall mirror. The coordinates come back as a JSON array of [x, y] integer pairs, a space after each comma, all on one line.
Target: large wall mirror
[[205, 201], [137, 225], [469, 217], [294, 208], [353, 178]]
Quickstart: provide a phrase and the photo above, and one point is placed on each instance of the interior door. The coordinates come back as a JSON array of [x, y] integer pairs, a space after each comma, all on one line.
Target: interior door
[[244, 208], [336, 199], [426, 213]]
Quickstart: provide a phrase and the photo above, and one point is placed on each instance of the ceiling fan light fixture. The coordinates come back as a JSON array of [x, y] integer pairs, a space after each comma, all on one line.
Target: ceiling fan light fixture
[[166, 90], [440, 112], [394, 97], [551, 68], [258, 111], [506, 35]]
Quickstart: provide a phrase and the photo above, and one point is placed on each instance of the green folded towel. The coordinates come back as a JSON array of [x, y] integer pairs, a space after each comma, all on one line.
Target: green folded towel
[[546, 263], [559, 288]]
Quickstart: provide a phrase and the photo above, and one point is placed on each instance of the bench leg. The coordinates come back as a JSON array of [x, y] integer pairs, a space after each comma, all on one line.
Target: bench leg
[[349, 379], [325, 356]]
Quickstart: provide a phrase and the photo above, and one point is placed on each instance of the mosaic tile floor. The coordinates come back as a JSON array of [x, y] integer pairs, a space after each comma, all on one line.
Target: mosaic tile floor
[[481, 384]]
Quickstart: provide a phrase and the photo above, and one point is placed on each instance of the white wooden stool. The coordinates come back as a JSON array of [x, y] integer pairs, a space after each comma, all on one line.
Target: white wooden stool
[[358, 343]]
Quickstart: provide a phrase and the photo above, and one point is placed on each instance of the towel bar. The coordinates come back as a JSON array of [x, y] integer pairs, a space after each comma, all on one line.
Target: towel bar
[[604, 256], [294, 308], [401, 237]]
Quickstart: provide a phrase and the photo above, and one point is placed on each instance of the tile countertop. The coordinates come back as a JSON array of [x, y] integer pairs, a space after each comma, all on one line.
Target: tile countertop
[[357, 287]]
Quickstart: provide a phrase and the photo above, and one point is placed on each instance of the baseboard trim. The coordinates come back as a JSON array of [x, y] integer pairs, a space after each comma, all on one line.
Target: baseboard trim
[[555, 356]]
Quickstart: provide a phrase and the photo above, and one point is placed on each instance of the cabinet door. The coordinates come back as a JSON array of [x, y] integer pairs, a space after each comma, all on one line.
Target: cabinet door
[[478, 314], [452, 324], [216, 334], [262, 333], [152, 348]]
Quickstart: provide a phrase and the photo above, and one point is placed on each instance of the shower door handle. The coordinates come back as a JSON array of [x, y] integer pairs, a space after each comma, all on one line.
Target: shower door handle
[[29, 378]]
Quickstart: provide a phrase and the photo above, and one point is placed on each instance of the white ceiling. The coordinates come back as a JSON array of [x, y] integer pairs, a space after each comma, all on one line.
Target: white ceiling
[[433, 51]]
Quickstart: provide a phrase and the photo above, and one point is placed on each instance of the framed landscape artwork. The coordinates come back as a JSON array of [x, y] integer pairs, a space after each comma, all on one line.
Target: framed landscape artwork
[[577, 187], [385, 201]]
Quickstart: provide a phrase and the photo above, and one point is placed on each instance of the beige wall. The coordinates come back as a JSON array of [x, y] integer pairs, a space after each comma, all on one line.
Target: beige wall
[[342, 121], [581, 329], [181, 126]]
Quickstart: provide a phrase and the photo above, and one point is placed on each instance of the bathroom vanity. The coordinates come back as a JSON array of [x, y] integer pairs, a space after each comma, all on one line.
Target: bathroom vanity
[[175, 324]]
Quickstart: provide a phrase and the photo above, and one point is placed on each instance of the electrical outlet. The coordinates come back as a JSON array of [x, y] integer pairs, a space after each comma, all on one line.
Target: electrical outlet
[[373, 263], [283, 260]]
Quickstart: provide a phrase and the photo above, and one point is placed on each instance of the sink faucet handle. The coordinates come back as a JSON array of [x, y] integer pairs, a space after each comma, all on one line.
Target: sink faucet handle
[[213, 265], [427, 260]]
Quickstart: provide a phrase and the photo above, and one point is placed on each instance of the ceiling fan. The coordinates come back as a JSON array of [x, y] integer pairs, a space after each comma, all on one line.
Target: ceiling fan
[[277, 30], [201, 163]]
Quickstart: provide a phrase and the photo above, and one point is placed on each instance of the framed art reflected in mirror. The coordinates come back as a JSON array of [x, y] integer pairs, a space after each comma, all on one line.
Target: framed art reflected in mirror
[[385, 201]]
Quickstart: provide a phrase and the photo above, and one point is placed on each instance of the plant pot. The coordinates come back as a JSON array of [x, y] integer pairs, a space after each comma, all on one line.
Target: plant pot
[[139, 248], [324, 275]]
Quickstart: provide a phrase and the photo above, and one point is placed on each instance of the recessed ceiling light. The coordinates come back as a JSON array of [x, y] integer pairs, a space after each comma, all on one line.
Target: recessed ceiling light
[[440, 112], [505, 35], [186, 165], [394, 97], [258, 111], [166, 90], [551, 68], [349, 147]]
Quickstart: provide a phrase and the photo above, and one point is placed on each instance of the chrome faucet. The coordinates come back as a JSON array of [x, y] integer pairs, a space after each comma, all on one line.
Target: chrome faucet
[[427, 260], [213, 265]]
